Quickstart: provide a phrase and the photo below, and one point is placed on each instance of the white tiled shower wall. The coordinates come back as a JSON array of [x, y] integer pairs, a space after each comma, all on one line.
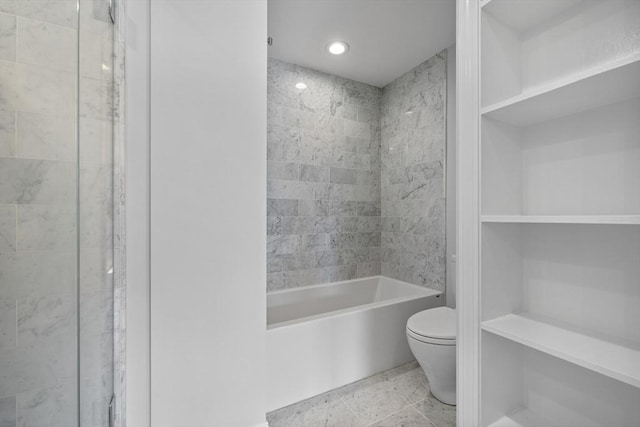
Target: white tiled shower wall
[[39, 160], [355, 177]]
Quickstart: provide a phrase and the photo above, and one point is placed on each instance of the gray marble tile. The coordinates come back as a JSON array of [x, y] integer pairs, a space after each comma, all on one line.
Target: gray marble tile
[[316, 208], [369, 208], [274, 225], [8, 412], [42, 227], [45, 318], [315, 242], [313, 173], [95, 395], [282, 207], [30, 88], [37, 181], [298, 261], [7, 133], [326, 410], [343, 176], [8, 229], [7, 37], [36, 367], [96, 225], [440, 414], [280, 170], [342, 272], [55, 406], [366, 269], [298, 225], [96, 101], [281, 245], [357, 129], [61, 12], [38, 273], [372, 399], [343, 208], [96, 140], [47, 45], [274, 264], [96, 49], [96, 314], [7, 323], [96, 183], [410, 382], [344, 240], [46, 136], [407, 417]]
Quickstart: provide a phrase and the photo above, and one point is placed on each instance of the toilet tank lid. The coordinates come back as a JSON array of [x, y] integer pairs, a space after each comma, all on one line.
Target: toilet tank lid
[[437, 322]]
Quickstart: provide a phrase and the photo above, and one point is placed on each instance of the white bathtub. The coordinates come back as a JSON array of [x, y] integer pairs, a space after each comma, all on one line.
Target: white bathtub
[[325, 336]]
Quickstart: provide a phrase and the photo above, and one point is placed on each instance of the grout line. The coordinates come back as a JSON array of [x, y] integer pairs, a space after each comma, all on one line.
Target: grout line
[[351, 410]]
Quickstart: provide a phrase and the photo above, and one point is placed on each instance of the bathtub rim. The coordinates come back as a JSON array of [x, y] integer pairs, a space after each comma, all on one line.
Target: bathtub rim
[[424, 292]]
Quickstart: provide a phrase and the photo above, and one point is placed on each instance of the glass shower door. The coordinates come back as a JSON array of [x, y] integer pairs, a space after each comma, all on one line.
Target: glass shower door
[[56, 288], [95, 209]]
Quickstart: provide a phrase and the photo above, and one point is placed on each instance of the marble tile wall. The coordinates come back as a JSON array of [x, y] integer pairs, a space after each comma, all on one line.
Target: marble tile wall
[[323, 178], [356, 177], [41, 171], [413, 127]]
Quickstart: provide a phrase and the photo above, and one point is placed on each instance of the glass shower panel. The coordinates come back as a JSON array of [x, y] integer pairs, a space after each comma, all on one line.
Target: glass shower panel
[[56, 289], [38, 213], [95, 126]]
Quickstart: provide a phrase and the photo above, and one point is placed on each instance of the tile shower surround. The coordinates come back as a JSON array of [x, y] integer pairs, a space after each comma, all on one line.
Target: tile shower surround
[[355, 186], [38, 185], [323, 178]]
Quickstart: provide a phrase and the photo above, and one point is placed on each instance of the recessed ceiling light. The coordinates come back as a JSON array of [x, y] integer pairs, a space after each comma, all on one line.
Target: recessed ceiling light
[[301, 85], [338, 47]]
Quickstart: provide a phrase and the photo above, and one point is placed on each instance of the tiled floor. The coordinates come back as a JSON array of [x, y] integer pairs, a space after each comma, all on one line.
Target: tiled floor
[[396, 398]]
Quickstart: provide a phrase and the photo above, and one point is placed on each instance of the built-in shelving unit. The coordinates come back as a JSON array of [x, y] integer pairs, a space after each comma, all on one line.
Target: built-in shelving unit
[[560, 213], [604, 85], [609, 357]]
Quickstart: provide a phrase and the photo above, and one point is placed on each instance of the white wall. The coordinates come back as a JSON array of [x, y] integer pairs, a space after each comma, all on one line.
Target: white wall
[[137, 212], [451, 177], [207, 124], [208, 210]]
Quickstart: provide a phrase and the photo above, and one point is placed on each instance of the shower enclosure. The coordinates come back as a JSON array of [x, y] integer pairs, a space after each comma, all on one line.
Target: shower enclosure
[[56, 213]]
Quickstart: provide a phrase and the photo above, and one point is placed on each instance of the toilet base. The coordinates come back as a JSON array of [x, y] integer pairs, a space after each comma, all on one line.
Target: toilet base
[[439, 365]]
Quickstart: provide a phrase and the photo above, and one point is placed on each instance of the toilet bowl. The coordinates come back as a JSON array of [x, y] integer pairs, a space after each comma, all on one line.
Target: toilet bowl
[[432, 339]]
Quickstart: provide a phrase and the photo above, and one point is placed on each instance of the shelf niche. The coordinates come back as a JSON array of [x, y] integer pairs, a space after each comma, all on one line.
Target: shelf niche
[[528, 388], [528, 45], [581, 165]]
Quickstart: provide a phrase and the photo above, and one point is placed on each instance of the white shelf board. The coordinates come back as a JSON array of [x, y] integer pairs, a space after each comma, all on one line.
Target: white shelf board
[[564, 219], [620, 361], [604, 85], [521, 418], [521, 15]]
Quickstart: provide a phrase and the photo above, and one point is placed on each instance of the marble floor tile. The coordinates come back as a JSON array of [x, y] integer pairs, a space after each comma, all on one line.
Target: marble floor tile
[[410, 382], [326, 410], [408, 417], [372, 399], [440, 414], [399, 397]]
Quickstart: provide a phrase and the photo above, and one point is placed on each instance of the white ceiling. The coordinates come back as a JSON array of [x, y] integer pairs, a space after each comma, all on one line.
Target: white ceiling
[[387, 37]]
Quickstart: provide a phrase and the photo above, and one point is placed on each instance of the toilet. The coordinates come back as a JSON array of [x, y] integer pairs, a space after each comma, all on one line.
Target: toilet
[[432, 339]]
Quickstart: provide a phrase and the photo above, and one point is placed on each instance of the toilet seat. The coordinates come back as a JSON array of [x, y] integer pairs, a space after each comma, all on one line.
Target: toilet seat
[[434, 326]]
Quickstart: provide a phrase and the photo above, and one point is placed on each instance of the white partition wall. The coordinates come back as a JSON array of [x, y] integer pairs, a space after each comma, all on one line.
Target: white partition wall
[[208, 209], [559, 213]]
